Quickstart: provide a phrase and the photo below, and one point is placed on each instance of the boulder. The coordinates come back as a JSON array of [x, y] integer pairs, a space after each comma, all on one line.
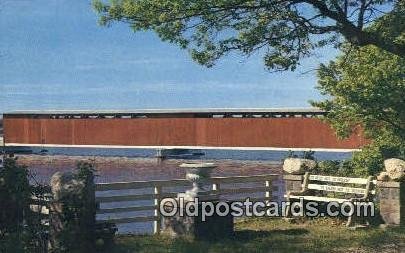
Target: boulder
[[72, 198], [383, 176], [65, 184], [395, 168], [298, 165]]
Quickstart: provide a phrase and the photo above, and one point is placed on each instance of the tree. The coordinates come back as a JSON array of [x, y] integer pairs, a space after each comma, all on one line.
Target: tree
[[284, 30], [366, 88]]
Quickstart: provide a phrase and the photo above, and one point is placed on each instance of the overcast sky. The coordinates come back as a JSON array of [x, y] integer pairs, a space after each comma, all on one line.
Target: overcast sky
[[55, 56]]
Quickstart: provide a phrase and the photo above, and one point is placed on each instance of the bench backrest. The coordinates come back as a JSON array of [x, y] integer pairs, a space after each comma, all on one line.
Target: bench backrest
[[340, 184]]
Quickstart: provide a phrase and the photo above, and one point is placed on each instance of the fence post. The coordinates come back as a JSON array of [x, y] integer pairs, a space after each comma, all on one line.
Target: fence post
[[157, 224], [216, 187], [268, 184]]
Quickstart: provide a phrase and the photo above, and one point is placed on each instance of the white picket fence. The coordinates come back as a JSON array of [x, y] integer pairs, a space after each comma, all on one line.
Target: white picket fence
[[235, 188]]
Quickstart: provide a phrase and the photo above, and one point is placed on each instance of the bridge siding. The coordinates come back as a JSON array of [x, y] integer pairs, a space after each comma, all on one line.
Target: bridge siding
[[222, 132]]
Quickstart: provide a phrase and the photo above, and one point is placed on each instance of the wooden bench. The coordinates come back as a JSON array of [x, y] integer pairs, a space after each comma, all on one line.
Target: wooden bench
[[363, 191]]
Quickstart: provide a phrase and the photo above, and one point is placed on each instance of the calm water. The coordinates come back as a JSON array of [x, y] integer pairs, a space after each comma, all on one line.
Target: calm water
[[255, 155]]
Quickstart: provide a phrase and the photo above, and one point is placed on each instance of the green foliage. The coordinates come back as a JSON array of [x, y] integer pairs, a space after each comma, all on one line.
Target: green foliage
[[367, 87], [309, 155], [366, 90], [336, 168], [14, 194], [305, 155], [370, 160], [85, 172], [291, 154], [20, 228], [284, 31]]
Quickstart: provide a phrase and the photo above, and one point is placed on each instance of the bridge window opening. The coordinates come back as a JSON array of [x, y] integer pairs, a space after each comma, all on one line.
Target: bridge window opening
[[237, 113]]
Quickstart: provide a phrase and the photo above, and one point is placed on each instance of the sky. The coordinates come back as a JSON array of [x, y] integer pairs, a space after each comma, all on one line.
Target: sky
[[54, 55]]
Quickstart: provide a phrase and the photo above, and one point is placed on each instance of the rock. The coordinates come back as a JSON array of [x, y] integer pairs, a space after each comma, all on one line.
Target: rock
[[72, 213], [383, 176], [298, 165], [65, 184], [395, 168]]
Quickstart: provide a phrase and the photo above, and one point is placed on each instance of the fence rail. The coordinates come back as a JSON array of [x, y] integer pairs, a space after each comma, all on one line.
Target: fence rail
[[224, 187]]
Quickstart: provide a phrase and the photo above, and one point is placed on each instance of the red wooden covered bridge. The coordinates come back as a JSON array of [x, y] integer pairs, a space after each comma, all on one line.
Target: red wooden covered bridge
[[293, 128]]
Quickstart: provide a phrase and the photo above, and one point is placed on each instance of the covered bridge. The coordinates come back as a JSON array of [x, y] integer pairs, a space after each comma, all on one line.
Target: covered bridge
[[287, 128]]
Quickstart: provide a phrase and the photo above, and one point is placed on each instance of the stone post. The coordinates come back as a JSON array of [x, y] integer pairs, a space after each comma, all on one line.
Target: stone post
[[292, 182], [391, 192], [72, 213], [294, 170], [392, 202], [196, 226]]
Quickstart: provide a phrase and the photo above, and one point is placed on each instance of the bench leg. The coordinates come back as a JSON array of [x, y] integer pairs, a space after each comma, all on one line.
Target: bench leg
[[352, 218], [350, 221], [288, 212], [351, 224], [288, 208]]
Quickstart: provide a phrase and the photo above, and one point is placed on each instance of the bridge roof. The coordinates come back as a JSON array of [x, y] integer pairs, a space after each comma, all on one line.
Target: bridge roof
[[162, 113], [170, 111]]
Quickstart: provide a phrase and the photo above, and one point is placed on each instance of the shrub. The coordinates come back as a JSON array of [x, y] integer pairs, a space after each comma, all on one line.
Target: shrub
[[20, 228]]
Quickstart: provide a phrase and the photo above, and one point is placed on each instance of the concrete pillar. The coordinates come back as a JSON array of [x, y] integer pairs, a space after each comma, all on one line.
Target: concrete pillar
[[294, 170], [197, 226], [292, 182], [392, 202]]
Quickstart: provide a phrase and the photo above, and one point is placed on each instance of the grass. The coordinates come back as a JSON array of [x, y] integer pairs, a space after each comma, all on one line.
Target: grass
[[276, 235]]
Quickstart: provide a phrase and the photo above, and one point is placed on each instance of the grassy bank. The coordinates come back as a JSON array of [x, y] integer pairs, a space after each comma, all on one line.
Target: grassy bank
[[276, 235]]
